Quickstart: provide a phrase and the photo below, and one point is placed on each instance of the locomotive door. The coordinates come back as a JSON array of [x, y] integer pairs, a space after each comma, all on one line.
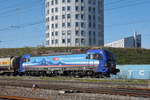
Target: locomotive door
[[91, 64], [91, 61]]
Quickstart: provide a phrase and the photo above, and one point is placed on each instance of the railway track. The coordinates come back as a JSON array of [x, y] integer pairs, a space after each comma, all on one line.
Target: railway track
[[82, 88], [76, 82], [5, 97]]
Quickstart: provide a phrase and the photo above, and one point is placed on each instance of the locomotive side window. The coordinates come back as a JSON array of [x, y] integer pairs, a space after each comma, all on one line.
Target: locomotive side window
[[26, 60], [94, 56], [89, 56]]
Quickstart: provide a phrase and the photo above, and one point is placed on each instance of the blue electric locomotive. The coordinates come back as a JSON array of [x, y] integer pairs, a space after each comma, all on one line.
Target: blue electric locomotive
[[94, 63]]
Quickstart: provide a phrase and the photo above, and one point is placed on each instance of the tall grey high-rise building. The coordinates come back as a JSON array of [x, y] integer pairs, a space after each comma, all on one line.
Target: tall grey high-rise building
[[71, 23]]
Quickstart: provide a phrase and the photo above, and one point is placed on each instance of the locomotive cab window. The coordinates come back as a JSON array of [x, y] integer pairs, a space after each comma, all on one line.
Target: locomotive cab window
[[26, 60], [98, 57]]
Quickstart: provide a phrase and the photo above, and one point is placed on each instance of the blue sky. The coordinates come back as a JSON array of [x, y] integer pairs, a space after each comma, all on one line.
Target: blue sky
[[22, 21]]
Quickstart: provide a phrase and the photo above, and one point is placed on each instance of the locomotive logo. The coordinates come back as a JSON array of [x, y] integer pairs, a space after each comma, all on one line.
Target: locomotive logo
[[55, 59]]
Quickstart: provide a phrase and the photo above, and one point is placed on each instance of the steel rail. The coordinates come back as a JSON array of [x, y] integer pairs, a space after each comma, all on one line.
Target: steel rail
[[5, 97]]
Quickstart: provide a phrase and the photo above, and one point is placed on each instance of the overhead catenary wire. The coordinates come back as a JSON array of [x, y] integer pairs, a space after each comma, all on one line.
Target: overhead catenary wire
[[22, 25], [33, 23], [126, 5], [113, 2], [11, 11], [129, 23]]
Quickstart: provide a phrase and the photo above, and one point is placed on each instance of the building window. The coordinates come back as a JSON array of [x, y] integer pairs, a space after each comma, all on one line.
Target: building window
[[52, 26], [89, 17], [93, 17], [69, 24], [47, 11], [56, 41], [56, 25], [77, 24], [63, 25], [68, 1], [82, 16], [82, 41], [47, 42], [63, 8], [94, 39], [77, 33], [63, 41], [56, 17], [90, 41], [77, 8], [56, 2], [52, 33], [56, 33], [63, 33], [68, 8], [77, 0], [89, 1], [47, 19], [68, 40], [77, 16], [90, 34], [52, 18], [82, 33], [47, 4], [82, 8], [76, 40], [82, 0], [94, 25], [47, 27], [82, 24], [56, 9], [94, 10], [47, 35], [69, 32], [63, 16], [52, 10], [52, 2], [89, 9], [94, 2], [63, 1], [68, 16], [90, 25], [52, 41]]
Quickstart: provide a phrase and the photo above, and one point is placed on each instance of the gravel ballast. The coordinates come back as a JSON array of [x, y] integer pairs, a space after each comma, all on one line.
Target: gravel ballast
[[59, 95]]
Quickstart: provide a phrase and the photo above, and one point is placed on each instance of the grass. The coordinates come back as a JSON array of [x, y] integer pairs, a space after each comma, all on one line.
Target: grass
[[123, 55], [61, 78]]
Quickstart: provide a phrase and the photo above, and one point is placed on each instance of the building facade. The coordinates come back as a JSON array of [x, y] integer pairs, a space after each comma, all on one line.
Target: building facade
[[71, 23], [127, 42]]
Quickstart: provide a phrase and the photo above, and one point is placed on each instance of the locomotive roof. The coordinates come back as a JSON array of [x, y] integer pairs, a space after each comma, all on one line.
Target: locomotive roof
[[57, 54]]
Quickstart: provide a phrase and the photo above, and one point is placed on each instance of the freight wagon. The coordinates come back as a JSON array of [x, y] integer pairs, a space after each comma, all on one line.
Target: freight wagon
[[11, 65]]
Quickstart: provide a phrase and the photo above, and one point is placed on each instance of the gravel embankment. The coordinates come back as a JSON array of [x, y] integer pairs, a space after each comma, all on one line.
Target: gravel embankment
[[56, 95]]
